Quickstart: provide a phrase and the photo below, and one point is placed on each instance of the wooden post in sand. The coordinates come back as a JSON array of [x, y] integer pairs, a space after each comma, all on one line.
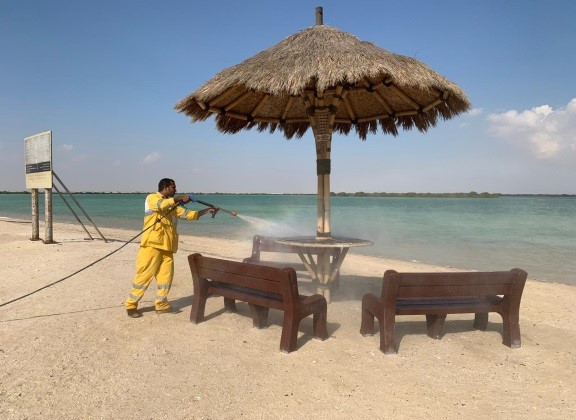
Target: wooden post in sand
[[48, 215], [35, 217]]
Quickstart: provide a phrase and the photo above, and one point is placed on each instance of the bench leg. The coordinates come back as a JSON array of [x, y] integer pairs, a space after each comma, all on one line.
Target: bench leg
[[198, 308], [434, 324], [259, 316], [481, 321], [319, 323], [289, 333], [230, 305], [388, 334], [511, 330], [369, 308]]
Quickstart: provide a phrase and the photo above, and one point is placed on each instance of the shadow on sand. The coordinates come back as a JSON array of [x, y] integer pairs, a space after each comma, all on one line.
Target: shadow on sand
[[275, 317]]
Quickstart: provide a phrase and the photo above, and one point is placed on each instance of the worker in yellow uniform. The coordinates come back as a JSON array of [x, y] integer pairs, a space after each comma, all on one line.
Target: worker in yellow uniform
[[158, 244]]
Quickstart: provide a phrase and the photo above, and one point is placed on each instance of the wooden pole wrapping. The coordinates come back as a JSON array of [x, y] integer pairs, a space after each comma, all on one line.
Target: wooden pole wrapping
[[323, 140]]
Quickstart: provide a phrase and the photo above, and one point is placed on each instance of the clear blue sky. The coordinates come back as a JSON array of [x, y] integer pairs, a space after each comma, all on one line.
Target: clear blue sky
[[104, 76]]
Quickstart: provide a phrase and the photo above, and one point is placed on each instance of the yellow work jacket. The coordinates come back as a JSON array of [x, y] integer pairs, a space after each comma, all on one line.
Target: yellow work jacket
[[163, 234]]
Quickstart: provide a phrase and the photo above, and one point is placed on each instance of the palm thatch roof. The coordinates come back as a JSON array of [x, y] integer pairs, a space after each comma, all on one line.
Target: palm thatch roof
[[362, 85]]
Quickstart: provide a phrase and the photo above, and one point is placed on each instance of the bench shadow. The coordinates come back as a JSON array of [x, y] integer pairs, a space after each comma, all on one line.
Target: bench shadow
[[275, 317], [405, 328], [182, 302]]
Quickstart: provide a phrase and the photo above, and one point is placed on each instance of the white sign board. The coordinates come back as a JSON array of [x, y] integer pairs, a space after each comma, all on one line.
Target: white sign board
[[38, 152]]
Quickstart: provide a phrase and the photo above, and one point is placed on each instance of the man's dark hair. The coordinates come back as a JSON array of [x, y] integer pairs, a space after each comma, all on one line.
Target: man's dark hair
[[165, 182]]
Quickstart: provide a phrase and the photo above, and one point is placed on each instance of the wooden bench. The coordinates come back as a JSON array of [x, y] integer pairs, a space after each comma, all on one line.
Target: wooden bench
[[268, 244], [262, 287], [438, 294]]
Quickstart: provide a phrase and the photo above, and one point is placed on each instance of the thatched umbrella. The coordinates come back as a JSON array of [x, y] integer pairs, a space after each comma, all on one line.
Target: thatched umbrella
[[331, 81]]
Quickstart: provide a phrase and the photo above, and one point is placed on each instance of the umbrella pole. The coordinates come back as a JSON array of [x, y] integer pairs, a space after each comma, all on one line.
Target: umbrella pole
[[323, 207], [320, 122], [322, 117], [323, 139]]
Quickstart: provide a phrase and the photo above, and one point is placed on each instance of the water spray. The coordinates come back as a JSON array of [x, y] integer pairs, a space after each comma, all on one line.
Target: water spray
[[233, 213]]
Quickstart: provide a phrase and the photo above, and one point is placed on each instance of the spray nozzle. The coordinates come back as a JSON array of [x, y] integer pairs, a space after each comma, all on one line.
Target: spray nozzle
[[204, 203]]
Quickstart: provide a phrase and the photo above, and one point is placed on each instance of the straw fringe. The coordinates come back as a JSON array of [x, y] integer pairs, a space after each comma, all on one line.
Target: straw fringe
[[382, 90]]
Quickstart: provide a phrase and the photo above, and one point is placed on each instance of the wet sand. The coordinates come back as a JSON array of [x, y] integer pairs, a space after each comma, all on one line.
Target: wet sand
[[70, 352]]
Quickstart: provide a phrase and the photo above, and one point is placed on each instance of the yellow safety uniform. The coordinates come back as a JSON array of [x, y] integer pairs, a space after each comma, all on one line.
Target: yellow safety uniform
[[158, 243]]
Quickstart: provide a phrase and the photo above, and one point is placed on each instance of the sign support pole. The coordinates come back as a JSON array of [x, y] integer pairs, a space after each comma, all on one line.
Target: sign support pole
[[48, 213], [38, 154], [35, 217]]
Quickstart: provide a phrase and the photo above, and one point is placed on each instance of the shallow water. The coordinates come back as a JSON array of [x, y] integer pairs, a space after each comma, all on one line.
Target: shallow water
[[537, 234]]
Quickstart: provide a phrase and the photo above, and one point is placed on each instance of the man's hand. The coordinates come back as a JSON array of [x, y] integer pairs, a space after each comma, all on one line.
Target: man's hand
[[183, 199], [212, 211]]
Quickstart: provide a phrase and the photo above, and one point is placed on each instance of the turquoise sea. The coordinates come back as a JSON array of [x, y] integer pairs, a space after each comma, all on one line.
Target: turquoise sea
[[536, 233]]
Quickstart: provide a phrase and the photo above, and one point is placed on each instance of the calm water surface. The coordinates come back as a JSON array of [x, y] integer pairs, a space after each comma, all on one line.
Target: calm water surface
[[537, 234]]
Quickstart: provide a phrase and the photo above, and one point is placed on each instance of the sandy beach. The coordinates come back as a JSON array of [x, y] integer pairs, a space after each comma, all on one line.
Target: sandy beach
[[70, 352]]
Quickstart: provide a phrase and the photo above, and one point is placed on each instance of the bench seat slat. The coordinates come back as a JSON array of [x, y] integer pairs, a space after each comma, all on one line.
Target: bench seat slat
[[266, 284], [447, 306], [425, 301], [455, 278], [453, 290], [247, 269], [252, 298]]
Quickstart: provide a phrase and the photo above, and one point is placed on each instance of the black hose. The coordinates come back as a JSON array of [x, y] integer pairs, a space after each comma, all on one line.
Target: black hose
[[89, 265]]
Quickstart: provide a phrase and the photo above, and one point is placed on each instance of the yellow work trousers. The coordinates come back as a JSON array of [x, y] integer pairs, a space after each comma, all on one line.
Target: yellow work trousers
[[152, 263]]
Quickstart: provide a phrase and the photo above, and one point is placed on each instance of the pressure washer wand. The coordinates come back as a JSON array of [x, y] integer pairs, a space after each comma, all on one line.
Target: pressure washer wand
[[233, 213]]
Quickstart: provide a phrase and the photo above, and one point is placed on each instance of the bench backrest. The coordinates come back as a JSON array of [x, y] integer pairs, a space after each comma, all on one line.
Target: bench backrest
[[268, 244], [278, 281], [453, 284]]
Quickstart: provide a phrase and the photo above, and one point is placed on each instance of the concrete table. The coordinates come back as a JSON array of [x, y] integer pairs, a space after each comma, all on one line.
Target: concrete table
[[331, 252]]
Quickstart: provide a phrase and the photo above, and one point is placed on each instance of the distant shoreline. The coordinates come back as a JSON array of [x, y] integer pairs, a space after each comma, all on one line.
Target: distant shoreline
[[361, 194]]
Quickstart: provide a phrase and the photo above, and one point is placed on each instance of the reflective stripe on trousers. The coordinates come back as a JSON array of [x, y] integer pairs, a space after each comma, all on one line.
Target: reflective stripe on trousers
[[152, 263]]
